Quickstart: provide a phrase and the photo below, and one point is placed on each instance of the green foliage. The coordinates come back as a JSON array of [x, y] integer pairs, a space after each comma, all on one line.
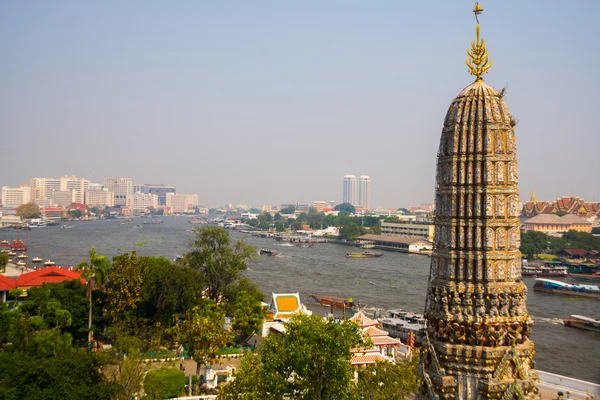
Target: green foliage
[[385, 380], [75, 213], [28, 210], [533, 242], [288, 210], [244, 305], [74, 375], [575, 240], [218, 261], [124, 344], [164, 383], [126, 374], [347, 207], [596, 230], [351, 231], [124, 287], [3, 261], [309, 361]]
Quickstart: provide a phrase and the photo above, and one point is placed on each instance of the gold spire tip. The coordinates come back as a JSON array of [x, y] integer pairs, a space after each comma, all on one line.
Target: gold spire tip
[[478, 62]]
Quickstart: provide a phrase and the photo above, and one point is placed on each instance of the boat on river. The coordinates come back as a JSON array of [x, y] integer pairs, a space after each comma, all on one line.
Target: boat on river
[[593, 277], [37, 259], [558, 287], [332, 301], [268, 252], [49, 263], [544, 271], [364, 254], [21, 263], [22, 256], [581, 322]]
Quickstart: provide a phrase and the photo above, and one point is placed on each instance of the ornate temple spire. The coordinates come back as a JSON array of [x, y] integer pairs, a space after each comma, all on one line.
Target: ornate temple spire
[[477, 341], [478, 61], [533, 199]]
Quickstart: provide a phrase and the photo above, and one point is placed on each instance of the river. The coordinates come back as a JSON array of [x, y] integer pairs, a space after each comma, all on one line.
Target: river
[[395, 280]]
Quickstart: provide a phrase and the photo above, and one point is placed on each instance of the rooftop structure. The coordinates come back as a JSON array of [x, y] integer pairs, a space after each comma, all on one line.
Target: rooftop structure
[[552, 223], [568, 205], [478, 328]]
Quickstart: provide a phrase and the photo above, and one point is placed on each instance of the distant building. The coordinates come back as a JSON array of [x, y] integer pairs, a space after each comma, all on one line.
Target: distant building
[[423, 230], [77, 185], [349, 191], [568, 205], [397, 243], [43, 187], [53, 212], [100, 198], [181, 203], [142, 202], [320, 205], [14, 197], [161, 191], [141, 187], [121, 187], [553, 224], [364, 192], [62, 197]]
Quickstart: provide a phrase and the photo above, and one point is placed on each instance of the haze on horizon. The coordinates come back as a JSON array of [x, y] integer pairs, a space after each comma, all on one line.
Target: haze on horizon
[[267, 102]]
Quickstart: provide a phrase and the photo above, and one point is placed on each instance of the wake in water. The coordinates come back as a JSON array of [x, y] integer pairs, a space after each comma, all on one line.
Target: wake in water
[[553, 321]]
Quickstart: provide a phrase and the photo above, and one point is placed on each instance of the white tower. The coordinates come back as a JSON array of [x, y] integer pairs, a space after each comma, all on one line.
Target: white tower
[[364, 192], [349, 195]]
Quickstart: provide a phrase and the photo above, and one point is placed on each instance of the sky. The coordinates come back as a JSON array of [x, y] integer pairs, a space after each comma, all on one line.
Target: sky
[[266, 102]]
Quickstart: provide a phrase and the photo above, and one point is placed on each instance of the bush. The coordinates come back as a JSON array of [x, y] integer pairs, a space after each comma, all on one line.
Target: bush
[[164, 383]]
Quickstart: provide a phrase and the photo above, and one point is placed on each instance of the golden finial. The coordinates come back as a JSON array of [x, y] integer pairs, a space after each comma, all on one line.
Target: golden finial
[[478, 61]]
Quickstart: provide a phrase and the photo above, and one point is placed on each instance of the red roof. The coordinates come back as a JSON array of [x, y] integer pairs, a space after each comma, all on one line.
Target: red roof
[[576, 252], [47, 275], [7, 283], [79, 206]]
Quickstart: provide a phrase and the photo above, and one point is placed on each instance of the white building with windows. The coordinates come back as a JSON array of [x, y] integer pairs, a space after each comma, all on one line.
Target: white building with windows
[[14, 197], [77, 185], [99, 198], [349, 192], [121, 187], [364, 192], [180, 203], [138, 202], [42, 188], [62, 198]]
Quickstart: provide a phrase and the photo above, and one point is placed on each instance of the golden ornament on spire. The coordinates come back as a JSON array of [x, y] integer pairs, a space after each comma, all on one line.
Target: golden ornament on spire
[[478, 61]]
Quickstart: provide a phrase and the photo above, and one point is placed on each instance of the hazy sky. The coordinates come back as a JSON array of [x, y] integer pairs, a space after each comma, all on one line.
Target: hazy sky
[[261, 102]]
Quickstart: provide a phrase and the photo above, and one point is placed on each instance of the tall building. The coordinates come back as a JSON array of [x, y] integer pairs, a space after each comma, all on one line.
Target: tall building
[[141, 187], [121, 187], [142, 202], [62, 198], [78, 185], [477, 343], [43, 187], [99, 198], [364, 192], [349, 193], [161, 191], [14, 197], [180, 203]]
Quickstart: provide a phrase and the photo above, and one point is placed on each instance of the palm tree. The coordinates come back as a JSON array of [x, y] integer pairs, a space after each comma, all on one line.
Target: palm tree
[[95, 273]]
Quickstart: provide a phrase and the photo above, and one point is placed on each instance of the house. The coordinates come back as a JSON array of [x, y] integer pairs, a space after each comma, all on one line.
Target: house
[[46, 275], [384, 347], [553, 224], [6, 285], [397, 243]]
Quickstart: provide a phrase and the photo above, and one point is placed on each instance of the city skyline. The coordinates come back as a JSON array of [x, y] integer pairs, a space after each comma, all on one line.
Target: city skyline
[[217, 100]]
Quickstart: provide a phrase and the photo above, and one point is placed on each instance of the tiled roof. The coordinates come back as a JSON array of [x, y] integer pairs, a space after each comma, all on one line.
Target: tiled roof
[[575, 252], [574, 219], [47, 275], [367, 359], [7, 283], [384, 340], [568, 219], [373, 331], [363, 321]]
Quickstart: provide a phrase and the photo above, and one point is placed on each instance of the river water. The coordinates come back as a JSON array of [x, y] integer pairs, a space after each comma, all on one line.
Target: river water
[[395, 280]]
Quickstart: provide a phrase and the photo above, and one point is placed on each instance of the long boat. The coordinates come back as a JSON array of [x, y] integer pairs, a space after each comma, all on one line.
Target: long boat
[[593, 277], [581, 322], [558, 287], [364, 254], [544, 271], [268, 252], [332, 301]]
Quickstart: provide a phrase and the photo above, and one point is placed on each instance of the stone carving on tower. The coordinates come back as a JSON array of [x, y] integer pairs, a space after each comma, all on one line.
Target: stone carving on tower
[[478, 342]]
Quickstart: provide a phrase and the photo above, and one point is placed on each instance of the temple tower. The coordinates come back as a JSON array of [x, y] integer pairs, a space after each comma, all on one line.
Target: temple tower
[[478, 328]]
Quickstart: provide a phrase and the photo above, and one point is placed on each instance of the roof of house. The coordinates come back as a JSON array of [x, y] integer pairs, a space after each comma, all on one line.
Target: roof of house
[[393, 239], [575, 252], [367, 359], [7, 283], [363, 321], [284, 305], [568, 219], [47, 275]]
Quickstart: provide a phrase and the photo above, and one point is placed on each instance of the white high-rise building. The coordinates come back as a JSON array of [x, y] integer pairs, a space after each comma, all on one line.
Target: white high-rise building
[[99, 198], [141, 202], [364, 192], [14, 197], [121, 187], [63, 198], [42, 188], [349, 194], [77, 185]]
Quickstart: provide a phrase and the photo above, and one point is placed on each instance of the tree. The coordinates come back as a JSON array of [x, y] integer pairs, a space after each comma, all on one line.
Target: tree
[[28, 210], [386, 380], [311, 360], [351, 231], [95, 273], [244, 305], [349, 208], [3, 262], [217, 260], [164, 383], [533, 242], [202, 330], [288, 210], [74, 214]]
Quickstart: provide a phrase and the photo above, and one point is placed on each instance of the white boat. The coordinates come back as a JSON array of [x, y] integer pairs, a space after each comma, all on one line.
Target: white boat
[[49, 263], [22, 256], [37, 259], [5, 242], [21, 263], [36, 223], [12, 253], [67, 226]]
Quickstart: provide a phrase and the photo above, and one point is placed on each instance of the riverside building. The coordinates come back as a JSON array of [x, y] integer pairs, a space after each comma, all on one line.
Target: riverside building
[[14, 197], [423, 230], [364, 192], [121, 187], [477, 343]]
